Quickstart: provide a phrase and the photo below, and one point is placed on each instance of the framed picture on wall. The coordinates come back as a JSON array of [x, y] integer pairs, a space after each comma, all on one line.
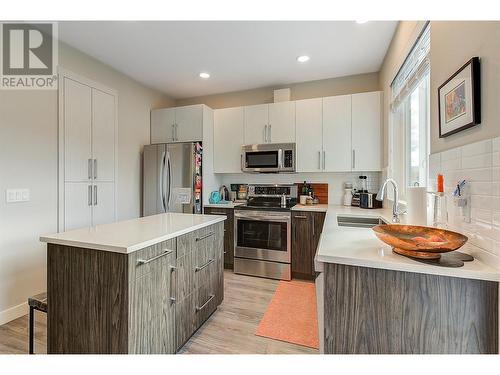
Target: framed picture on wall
[[459, 100]]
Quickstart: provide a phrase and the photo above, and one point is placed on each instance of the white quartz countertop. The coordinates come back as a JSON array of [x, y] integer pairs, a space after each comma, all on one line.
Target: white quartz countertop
[[360, 247], [132, 235], [310, 207]]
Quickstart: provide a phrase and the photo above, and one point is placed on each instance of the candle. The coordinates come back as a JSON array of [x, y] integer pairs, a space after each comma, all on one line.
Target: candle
[[440, 183]]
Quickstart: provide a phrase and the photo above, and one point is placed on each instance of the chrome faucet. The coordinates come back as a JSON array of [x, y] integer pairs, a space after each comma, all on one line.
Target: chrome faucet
[[395, 209]]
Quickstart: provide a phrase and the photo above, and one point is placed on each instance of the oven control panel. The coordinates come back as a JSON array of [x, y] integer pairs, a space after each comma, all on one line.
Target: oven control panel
[[272, 190]]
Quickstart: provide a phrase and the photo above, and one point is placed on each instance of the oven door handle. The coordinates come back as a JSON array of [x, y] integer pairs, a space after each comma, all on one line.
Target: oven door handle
[[282, 219]]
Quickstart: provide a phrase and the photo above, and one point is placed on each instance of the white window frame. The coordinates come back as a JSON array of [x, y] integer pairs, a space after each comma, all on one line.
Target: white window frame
[[415, 68]]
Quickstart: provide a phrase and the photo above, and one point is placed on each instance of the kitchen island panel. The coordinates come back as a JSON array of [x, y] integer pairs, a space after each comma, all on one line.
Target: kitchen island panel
[[375, 311], [88, 301]]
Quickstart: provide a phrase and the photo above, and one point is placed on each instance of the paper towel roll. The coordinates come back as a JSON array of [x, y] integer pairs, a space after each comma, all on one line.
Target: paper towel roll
[[416, 205]]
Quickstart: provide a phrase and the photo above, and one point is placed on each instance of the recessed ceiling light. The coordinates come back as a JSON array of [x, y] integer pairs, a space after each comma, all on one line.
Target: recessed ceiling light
[[303, 58], [361, 21], [204, 75]]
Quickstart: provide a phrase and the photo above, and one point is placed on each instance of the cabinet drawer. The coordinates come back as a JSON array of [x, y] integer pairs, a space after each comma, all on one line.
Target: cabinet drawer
[[203, 275], [206, 301], [196, 241], [143, 261]]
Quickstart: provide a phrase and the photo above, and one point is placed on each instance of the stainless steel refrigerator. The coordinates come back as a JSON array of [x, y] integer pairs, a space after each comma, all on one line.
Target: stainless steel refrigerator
[[172, 178]]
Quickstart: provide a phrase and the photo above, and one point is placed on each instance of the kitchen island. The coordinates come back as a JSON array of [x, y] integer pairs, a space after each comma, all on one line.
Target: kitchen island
[[136, 286], [372, 301]]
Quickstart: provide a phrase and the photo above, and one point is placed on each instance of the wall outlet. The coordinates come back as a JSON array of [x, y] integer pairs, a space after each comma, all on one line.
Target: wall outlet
[[17, 195]]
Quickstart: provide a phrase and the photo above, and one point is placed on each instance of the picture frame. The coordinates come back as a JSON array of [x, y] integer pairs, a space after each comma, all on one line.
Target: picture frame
[[459, 99]]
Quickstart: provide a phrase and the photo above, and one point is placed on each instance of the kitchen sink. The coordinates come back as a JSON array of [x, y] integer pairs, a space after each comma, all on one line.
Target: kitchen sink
[[359, 221]]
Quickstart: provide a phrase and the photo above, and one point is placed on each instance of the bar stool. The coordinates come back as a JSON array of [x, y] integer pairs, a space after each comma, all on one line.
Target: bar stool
[[38, 302]]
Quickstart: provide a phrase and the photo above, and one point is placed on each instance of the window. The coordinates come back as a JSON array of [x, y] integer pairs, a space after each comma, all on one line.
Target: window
[[409, 118]]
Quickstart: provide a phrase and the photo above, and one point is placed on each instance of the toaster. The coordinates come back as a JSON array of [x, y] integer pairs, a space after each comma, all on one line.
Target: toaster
[[368, 200]]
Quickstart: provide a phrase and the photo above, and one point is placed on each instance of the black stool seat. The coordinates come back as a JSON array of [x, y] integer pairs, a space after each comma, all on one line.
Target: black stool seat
[[38, 302]]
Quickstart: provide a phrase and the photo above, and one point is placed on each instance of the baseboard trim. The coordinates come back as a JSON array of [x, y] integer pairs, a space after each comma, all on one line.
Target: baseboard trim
[[13, 313]]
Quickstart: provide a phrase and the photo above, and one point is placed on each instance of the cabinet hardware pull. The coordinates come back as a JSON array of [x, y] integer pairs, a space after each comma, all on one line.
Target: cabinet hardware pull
[[89, 196], [319, 159], [146, 261], [199, 268], [198, 308], [265, 134], [89, 168], [353, 159], [173, 268], [300, 217], [270, 134], [204, 236], [217, 213], [173, 132], [324, 159], [95, 169], [95, 195], [172, 300]]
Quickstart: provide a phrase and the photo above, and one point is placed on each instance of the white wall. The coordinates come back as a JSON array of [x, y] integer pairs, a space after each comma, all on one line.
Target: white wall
[[453, 43], [28, 159]]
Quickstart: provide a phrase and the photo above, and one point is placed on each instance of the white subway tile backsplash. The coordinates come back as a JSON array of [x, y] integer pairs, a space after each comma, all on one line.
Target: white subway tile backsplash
[[451, 164], [476, 161], [479, 164], [478, 175], [477, 148], [495, 159], [496, 144], [495, 174], [481, 188], [454, 153]]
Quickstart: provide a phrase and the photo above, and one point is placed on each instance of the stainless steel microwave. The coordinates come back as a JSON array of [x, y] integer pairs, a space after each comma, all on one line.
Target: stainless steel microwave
[[268, 158]]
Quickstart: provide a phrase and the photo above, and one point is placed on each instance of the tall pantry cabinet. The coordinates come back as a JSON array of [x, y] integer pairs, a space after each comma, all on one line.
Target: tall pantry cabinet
[[87, 152]]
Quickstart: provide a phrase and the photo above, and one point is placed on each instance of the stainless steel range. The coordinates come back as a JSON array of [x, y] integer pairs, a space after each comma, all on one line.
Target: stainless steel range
[[262, 227]]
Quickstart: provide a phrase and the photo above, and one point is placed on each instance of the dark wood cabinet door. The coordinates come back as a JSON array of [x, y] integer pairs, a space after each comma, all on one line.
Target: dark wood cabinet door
[[228, 233], [306, 231], [302, 241]]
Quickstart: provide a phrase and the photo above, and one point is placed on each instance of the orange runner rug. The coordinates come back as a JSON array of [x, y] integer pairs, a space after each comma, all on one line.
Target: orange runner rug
[[291, 315]]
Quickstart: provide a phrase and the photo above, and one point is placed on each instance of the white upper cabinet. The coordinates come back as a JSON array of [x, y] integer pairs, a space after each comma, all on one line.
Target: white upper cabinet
[[308, 130], [256, 124], [179, 124], [162, 125], [270, 123], [189, 123], [366, 131], [103, 136], [281, 127], [337, 133], [77, 131], [228, 139]]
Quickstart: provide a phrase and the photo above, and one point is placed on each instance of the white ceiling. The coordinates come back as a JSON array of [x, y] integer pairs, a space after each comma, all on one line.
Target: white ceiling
[[239, 55]]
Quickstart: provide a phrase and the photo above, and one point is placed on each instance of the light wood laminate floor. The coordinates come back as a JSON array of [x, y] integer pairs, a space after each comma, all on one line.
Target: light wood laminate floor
[[230, 330]]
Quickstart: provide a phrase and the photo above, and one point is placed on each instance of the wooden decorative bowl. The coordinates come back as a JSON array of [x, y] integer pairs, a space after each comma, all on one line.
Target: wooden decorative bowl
[[419, 242]]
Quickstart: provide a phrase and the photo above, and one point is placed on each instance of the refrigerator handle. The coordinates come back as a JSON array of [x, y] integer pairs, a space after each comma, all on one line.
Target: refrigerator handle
[[169, 174], [162, 180]]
